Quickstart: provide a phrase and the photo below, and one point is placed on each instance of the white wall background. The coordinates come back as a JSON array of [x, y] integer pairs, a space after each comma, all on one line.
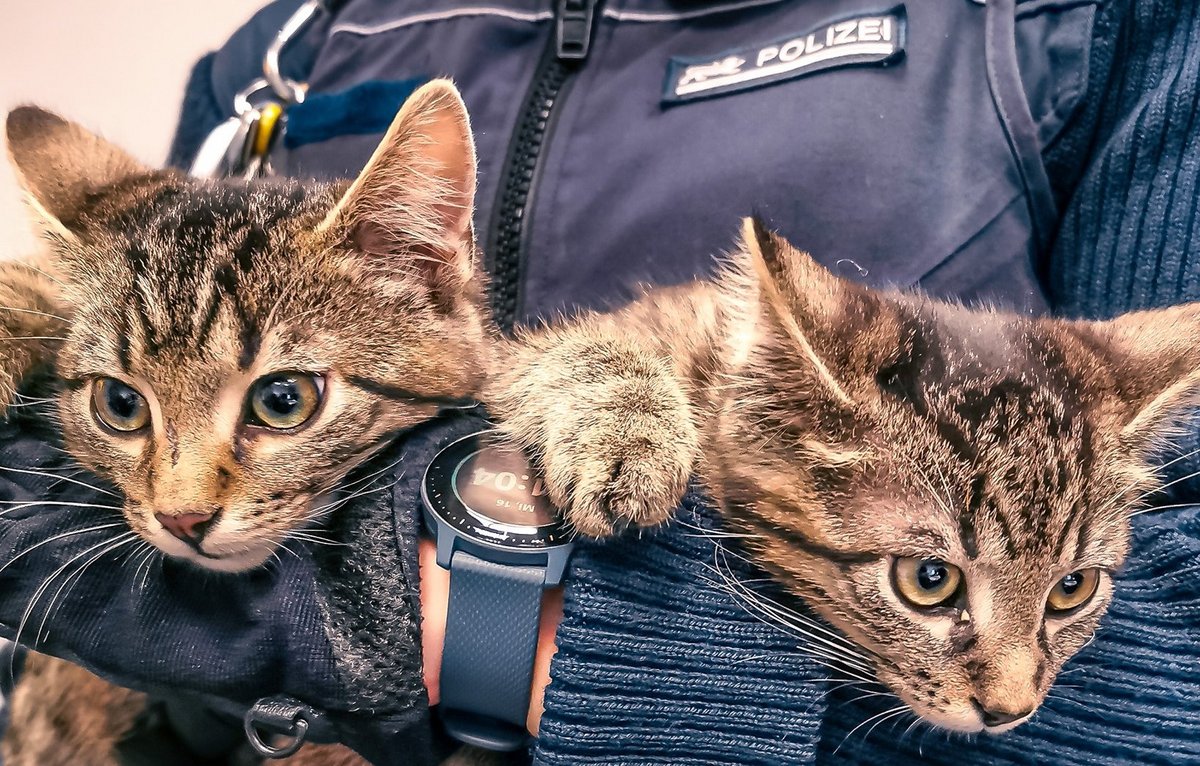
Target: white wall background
[[115, 66]]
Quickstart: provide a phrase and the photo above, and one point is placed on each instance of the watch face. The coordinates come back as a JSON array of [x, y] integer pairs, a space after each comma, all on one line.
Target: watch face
[[489, 492]]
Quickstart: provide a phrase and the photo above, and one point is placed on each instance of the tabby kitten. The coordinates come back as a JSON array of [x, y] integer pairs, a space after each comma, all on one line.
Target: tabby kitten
[[216, 340], [949, 487], [225, 353]]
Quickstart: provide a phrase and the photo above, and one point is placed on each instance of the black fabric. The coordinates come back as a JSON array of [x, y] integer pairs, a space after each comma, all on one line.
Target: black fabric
[[336, 626], [201, 113]]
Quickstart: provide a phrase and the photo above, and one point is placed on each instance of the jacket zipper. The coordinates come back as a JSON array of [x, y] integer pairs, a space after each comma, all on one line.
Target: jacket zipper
[[565, 52]]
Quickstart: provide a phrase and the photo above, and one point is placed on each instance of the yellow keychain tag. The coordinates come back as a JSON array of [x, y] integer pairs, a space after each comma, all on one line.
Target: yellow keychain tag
[[269, 114]]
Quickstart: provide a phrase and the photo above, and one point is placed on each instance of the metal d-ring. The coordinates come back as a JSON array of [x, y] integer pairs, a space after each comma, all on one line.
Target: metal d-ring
[[298, 733], [289, 90]]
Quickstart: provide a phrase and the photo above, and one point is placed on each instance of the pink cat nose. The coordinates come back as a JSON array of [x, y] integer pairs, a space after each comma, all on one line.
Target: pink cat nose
[[188, 527]]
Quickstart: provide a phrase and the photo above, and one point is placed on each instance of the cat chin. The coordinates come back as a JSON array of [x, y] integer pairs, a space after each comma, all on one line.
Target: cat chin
[[235, 562], [994, 730], [966, 721], [239, 561]]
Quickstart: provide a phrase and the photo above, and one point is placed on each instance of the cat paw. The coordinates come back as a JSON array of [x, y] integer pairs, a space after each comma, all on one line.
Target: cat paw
[[624, 460]]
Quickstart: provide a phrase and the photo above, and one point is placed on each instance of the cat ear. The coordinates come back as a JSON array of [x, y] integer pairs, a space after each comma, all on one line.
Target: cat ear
[[411, 206], [58, 164], [1155, 356], [817, 310]]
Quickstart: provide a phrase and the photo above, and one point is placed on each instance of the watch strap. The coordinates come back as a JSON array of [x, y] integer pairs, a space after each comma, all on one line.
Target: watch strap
[[487, 661]]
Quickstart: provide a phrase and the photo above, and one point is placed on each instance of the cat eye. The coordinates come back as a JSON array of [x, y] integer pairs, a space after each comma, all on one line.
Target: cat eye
[[925, 583], [119, 406], [1073, 591], [284, 400]]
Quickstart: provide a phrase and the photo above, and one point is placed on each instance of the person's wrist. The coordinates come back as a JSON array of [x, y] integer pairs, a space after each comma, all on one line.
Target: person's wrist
[[435, 594]]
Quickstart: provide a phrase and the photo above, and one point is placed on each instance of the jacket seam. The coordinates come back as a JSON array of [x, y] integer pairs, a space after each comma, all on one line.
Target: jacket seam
[[653, 16], [363, 30]]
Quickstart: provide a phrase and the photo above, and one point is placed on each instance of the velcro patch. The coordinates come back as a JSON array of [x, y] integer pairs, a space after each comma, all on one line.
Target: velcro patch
[[864, 40]]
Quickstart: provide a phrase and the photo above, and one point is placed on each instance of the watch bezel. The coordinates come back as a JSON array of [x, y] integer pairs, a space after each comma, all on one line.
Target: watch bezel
[[442, 501]]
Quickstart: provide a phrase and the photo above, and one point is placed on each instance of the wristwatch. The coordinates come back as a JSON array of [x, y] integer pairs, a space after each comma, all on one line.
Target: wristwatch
[[504, 543]]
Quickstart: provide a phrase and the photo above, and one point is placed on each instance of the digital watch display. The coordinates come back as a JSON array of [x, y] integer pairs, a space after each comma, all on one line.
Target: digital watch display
[[488, 491]]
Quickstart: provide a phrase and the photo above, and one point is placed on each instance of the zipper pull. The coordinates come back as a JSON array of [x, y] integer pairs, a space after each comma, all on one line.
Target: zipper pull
[[573, 32]]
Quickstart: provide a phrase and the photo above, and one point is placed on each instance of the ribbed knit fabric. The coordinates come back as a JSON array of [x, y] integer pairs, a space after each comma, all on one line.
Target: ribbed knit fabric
[[660, 665], [1129, 236]]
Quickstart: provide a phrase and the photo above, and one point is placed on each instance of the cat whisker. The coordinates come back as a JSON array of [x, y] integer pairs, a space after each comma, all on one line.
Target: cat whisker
[[156, 557], [44, 474], [48, 582], [1152, 509], [878, 718], [144, 561], [942, 502], [30, 503], [44, 273], [890, 720], [337, 485], [797, 619], [921, 743], [34, 312], [806, 630], [325, 510], [916, 721], [826, 644], [1162, 487], [32, 337], [1160, 467], [714, 534], [283, 546], [866, 695], [20, 400], [61, 536], [949, 497], [27, 398], [792, 618], [68, 582], [21, 505], [269, 323], [832, 660], [315, 539]]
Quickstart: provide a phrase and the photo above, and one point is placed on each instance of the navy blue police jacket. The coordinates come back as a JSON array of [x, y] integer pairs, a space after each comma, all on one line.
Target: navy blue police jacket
[[1041, 157]]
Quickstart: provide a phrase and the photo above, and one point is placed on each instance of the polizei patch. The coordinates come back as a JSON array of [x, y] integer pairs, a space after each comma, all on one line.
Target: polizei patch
[[865, 40]]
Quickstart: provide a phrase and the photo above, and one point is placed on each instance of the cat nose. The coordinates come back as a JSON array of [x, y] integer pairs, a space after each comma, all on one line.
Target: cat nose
[[997, 717], [188, 527]]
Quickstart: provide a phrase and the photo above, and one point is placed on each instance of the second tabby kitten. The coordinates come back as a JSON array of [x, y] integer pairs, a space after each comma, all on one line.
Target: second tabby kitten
[[950, 488]]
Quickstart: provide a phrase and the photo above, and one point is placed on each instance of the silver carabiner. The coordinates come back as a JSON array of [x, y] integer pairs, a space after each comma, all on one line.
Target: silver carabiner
[[243, 102], [289, 90], [228, 149]]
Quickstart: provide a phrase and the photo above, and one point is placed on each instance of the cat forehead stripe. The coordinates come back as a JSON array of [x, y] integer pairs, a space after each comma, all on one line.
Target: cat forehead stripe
[[875, 39]]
